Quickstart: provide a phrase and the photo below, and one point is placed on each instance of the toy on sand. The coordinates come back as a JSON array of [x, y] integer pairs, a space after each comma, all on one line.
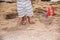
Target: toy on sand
[[38, 16], [48, 13], [45, 15], [53, 11]]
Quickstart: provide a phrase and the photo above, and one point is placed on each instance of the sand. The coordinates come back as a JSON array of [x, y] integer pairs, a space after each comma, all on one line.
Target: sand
[[45, 29]]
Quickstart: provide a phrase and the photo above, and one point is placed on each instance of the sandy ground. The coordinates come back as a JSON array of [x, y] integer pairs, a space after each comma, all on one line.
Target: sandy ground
[[45, 29], [38, 31]]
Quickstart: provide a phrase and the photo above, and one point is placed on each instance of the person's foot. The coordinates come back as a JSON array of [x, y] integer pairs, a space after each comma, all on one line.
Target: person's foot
[[24, 20], [20, 21], [31, 21]]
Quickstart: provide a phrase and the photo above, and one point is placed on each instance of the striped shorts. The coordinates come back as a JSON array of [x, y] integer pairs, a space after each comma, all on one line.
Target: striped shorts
[[24, 8]]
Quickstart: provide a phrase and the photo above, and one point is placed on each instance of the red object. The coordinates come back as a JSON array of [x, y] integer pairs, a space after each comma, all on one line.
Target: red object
[[53, 9], [48, 12]]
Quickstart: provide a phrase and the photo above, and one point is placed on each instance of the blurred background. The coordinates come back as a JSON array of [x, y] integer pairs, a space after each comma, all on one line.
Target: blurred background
[[8, 9], [9, 17]]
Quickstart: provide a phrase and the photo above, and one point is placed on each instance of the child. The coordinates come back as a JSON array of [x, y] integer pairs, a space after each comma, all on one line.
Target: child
[[24, 9]]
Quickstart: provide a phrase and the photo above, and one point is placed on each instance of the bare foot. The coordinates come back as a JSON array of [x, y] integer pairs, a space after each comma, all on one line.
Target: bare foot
[[20, 21], [24, 20], [31, 21]]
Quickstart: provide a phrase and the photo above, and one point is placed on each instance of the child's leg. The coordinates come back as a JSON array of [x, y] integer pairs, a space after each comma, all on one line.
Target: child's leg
[[19, 20], [30, 19], [21, 13], [29, 12], [20, 9], [24, 20]]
